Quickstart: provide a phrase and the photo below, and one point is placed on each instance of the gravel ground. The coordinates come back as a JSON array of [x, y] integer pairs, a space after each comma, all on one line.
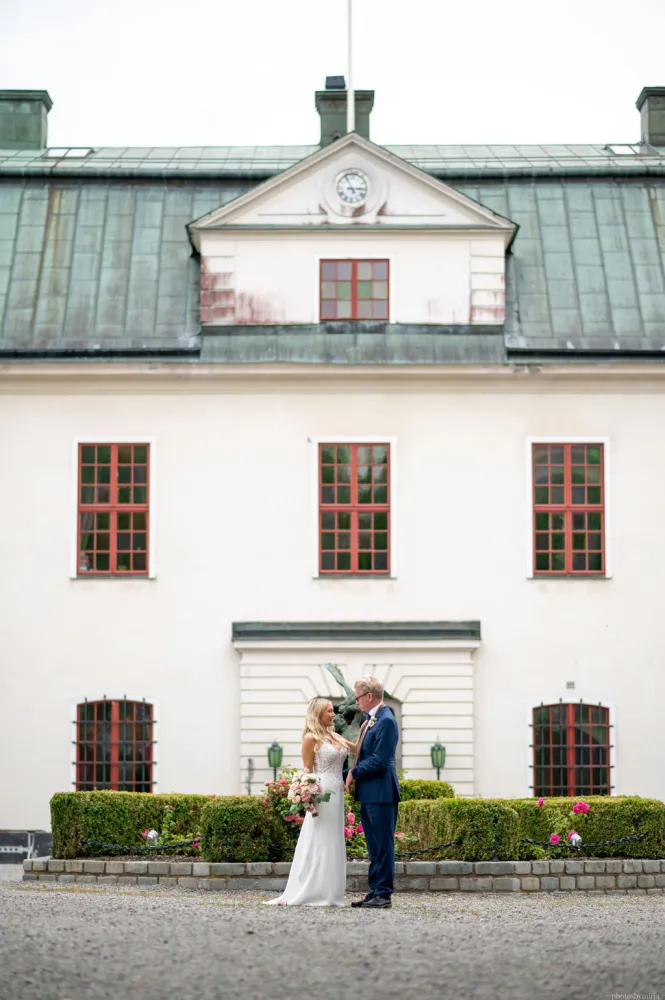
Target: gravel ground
[[68, 943]]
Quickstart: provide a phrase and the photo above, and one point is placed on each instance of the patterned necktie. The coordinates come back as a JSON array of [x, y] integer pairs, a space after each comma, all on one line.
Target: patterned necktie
[[361, 737]]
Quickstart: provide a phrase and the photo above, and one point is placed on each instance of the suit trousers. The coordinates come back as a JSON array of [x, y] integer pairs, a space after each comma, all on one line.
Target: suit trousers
[[379, 820]]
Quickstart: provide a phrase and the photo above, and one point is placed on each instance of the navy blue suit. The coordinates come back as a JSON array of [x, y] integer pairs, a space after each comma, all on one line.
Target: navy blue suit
[[377, 790]]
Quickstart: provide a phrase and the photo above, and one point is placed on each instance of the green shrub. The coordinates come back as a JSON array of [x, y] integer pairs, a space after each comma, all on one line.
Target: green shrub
[[472, 821], [414, 788], [609, 818], [242, 828], [119, 818]]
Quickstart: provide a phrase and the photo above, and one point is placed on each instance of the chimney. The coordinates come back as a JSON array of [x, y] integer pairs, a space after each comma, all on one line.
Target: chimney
[[651, 105], [331, 104], [23, 122]]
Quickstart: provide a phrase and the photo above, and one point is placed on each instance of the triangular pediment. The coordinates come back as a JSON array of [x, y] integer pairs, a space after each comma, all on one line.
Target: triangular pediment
[[396, 195]]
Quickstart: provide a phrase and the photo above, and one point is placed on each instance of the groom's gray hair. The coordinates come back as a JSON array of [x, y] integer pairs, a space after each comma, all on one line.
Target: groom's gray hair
[[369, 685]]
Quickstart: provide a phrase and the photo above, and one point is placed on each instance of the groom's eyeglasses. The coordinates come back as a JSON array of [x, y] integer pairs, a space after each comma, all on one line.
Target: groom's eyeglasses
[[359, 696]]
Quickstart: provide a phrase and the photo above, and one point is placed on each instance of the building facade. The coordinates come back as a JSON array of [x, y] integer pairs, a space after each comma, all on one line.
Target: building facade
[[393, 409]]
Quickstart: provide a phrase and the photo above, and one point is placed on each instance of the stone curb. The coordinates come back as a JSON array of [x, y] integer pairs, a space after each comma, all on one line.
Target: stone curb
[[597, 876]]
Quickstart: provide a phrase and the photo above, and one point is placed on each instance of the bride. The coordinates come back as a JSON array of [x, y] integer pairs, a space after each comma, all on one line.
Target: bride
[[318, 871]]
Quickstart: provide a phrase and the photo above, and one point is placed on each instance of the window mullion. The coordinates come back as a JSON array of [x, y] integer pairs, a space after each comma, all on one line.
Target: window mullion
[[115, 737], [354, 289], [571, 775]]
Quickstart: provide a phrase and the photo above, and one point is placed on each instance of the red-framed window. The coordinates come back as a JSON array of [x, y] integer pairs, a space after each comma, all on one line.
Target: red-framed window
[[571, 750], [114, 741], [354, 508], [568, 509], [113, 509], [354, 289]]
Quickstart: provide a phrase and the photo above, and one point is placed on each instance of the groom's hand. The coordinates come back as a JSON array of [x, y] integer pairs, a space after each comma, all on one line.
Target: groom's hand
[[349, 782]]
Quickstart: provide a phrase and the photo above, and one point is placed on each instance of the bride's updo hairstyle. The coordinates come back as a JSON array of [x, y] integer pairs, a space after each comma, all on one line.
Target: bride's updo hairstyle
[[314, 725]]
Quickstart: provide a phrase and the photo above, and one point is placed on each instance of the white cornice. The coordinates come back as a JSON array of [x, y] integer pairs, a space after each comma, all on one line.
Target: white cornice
[[175, 378]]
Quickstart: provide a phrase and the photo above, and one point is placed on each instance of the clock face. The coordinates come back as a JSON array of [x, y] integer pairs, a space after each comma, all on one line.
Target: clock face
[[352, 187]]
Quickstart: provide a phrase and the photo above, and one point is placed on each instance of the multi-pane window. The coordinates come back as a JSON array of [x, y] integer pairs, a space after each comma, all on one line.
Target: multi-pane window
[[354, 289], [113, 509], [114, 741], [568, 509], [571, 750], [354, 508]]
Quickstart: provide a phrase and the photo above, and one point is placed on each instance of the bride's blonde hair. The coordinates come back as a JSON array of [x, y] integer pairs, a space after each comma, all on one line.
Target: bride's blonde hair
[[314, 725]]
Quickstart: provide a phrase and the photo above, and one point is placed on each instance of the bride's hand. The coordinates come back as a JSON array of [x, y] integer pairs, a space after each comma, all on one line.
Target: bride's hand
[[351, 747]]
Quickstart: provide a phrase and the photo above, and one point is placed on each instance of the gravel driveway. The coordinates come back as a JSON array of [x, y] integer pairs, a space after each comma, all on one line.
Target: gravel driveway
[[86, 943]]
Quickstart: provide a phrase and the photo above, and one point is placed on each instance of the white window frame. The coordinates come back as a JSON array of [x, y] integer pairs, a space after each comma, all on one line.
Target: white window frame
[[342, 438], [565, 699], [110, 696], [355, 256], [567, 439], [152, 519]]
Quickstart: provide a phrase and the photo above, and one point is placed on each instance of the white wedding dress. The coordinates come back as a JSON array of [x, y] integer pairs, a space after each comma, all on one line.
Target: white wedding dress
[[318, 870]]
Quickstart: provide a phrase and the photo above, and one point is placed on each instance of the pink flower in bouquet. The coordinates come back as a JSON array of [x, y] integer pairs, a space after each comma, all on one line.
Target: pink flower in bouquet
[[555, 838], [300, 819], [351, 817], [573, 833], [145, 833], [283, 781], [541, 801], [359, 828], [306, 796], [290, 818], [266, 783]]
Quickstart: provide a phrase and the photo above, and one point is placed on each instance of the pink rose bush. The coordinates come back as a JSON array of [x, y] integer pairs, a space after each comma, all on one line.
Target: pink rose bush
[[563, 826], [541, 801]]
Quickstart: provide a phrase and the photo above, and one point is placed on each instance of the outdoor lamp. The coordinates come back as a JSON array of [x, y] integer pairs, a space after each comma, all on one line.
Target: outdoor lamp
[[438, 755], [274, 758]]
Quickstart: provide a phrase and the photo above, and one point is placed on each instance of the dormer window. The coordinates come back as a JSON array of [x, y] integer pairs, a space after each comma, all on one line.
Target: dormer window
[[354, 289]]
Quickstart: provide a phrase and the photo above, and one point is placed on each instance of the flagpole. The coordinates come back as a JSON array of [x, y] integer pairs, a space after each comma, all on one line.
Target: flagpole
[[351, 101]]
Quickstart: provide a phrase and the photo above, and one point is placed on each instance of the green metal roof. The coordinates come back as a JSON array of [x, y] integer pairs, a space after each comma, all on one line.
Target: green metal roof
[[96, 261], [216, 162]]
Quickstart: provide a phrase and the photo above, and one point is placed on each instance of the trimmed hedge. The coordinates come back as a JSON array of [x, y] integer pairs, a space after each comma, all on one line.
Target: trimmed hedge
[[242, 828], [609, 818], [414, 788], [443, 820], [439, 821], [118, 818]]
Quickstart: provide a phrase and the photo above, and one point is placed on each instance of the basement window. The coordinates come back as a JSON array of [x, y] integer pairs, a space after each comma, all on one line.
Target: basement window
[[67, 153]]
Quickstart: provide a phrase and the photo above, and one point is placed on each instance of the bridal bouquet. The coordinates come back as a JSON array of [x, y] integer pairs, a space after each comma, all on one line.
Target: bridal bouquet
[[306, 792]]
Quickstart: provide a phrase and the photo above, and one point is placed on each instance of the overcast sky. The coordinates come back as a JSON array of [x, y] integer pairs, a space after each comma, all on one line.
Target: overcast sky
[[216, 72]]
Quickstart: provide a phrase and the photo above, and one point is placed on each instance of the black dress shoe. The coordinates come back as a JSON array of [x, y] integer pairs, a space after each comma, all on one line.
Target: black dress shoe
[[377, 903], [361, 902]]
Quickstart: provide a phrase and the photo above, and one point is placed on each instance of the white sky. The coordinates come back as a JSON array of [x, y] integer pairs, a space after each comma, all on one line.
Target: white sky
[[216, 72]]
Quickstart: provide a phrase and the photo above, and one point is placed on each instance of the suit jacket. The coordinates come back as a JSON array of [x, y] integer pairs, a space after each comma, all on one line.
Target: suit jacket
[[374, 771]]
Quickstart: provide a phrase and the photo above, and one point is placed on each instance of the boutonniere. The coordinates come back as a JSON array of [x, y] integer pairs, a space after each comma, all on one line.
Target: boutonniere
[[372, 722]]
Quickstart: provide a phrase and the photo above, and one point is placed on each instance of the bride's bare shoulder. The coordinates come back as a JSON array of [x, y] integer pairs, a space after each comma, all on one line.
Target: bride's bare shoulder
[[309, 740]]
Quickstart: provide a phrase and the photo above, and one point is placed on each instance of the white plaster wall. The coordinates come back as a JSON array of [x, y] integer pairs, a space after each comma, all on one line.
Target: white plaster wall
[[430, 276], [234, 544]]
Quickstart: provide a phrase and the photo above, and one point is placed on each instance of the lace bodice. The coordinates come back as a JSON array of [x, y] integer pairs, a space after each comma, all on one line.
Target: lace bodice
[[329, 762]]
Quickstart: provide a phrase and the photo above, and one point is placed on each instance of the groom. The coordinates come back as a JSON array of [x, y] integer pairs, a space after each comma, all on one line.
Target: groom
[[377, 789]]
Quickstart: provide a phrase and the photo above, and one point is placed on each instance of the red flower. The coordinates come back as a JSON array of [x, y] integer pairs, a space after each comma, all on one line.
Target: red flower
[[359, 828], [555, 838]]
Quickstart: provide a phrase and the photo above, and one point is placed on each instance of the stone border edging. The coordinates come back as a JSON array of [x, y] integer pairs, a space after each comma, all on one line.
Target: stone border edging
[[633, 877]]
